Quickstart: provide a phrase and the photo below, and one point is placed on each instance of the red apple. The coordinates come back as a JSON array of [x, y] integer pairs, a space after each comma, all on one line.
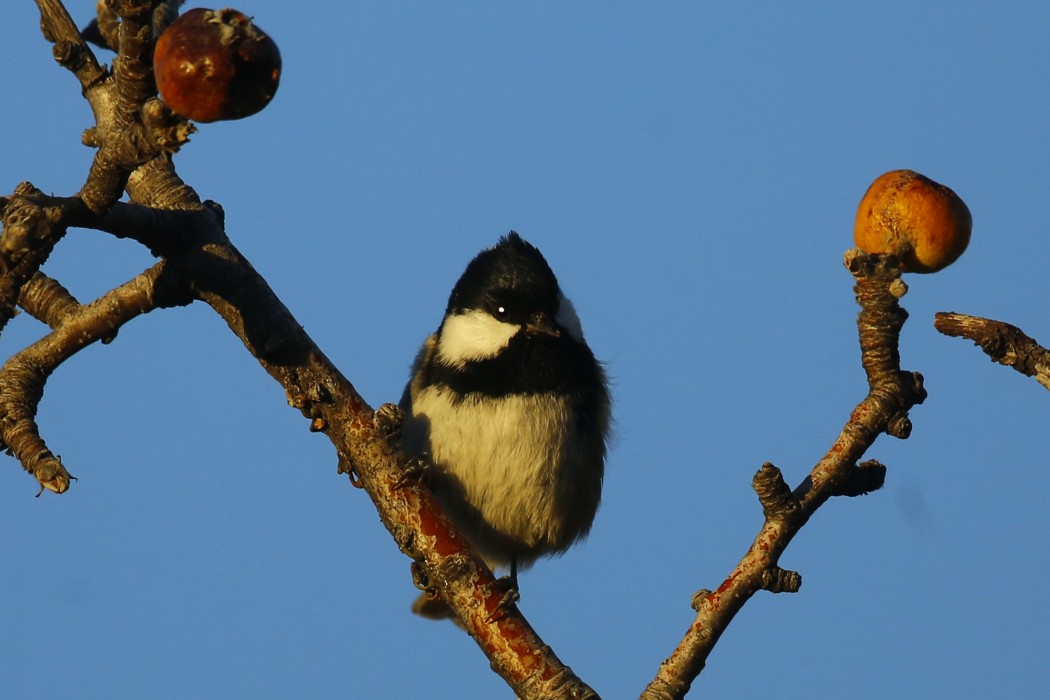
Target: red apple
[[216, 64]]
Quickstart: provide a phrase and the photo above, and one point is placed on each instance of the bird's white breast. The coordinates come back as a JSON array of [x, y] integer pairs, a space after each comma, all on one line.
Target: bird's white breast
[[512, 459]]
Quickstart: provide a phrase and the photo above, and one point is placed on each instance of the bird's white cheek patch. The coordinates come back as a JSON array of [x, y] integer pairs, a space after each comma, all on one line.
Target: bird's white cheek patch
[[472, 336], [567, 318]]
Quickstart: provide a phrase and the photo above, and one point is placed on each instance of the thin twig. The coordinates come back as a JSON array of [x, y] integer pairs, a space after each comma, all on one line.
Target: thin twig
[[23, 376], [69, 48], [1003, 343]]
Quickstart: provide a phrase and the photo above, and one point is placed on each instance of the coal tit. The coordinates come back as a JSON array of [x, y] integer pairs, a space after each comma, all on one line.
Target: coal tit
[[512, 410]]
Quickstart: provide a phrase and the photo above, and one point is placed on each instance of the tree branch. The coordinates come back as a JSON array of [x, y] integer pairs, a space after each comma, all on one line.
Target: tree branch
[[892, 393], [69, 48], [1008, 345], [132, 126], [30, 232], [47, 300], [23, 376]]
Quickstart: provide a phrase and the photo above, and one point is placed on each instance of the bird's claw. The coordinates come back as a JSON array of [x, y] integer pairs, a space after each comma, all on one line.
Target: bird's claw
[[507, 600], [415, 471], [388, 420]]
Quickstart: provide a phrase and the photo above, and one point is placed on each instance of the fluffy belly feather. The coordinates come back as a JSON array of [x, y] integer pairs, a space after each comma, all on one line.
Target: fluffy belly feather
[[511, 471]]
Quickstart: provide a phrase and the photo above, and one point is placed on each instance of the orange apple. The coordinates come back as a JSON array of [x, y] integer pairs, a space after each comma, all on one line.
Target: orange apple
[[922, 222]]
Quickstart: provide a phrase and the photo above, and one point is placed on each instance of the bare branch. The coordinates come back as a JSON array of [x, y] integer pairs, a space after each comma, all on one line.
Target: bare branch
[[30, 232], [133, 68], [70, 49], [33, 223], [1008, 345], [157, 185], [47, 300], [778, 502], [28, 213], [892, 393], [132, 126], [23, 376], [119, 134]]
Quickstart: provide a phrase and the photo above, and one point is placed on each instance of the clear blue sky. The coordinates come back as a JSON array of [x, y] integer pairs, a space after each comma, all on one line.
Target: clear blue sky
[[691, 173]]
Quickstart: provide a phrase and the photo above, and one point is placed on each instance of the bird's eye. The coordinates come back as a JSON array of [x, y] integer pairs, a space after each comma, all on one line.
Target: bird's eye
[[500, 311]]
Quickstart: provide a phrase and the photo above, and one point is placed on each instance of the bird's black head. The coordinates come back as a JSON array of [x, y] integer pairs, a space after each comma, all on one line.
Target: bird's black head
[[508, 329], [511, 281]]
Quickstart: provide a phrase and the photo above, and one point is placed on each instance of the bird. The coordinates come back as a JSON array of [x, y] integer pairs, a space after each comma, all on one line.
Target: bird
[[512, 411]]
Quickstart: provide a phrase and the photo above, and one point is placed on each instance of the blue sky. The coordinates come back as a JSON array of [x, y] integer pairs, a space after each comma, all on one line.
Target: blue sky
[[691, 172]]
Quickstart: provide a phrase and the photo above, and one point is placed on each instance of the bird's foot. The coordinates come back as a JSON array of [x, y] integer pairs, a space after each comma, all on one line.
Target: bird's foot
[[415, 471], [388, 420], [510, 595]]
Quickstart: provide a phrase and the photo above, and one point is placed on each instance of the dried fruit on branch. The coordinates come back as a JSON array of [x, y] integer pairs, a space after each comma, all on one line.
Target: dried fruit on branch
[[922, 222], [212, 65]]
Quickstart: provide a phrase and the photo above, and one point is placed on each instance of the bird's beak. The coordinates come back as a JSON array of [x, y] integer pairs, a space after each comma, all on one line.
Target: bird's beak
[[541, 324]]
